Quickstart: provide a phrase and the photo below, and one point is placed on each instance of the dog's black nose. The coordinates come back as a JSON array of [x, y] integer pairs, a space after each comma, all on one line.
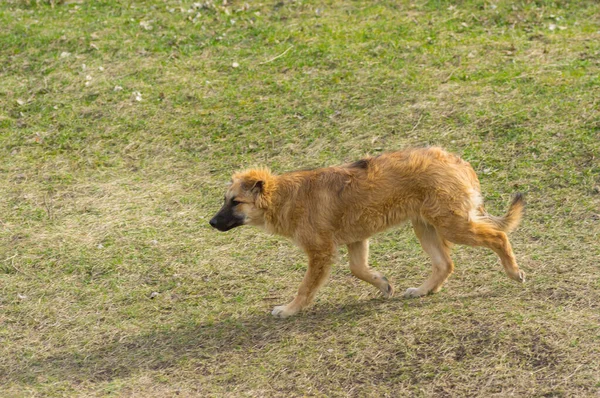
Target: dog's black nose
[[213, 223]]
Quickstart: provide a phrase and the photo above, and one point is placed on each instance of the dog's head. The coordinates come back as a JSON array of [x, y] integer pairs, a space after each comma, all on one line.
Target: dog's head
[[245, 201]]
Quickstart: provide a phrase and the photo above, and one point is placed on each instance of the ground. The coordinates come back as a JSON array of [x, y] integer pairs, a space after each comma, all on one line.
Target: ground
[[121, 122]]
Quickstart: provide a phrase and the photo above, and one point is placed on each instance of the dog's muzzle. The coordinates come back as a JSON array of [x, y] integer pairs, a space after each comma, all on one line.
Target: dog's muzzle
[[225, 225]]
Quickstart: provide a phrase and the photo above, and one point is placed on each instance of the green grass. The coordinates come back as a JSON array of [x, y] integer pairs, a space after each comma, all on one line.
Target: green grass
[[105, 199]]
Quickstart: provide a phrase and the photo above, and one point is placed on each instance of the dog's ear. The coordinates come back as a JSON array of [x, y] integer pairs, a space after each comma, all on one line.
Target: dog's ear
[[253, 187], [257, 183], [257, 188]]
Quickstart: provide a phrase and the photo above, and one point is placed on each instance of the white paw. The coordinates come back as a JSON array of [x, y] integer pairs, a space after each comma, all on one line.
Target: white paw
[[413, 292], [282, 311]]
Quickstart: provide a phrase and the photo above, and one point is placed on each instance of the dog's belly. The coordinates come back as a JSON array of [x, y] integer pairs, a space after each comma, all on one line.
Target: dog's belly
[[354, 229]]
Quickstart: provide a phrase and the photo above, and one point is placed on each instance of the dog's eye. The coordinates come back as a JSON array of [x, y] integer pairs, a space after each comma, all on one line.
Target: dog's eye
[[234, 202]]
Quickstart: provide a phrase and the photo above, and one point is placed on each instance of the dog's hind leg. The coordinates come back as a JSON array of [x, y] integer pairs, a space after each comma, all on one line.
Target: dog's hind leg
[[358, 252], [474, 233], [439, 250], [319, 264]]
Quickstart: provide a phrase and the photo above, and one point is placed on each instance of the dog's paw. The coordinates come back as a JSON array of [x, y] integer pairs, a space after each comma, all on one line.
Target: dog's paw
[[388, 290], [520, 277], [283, 311], [413, 292], [517, 275]]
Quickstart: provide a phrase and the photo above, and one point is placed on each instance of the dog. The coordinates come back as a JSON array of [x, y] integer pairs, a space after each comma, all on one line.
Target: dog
[[321, 209]]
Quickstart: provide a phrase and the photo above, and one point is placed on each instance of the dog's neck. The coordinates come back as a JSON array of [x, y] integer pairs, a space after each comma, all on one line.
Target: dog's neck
[[281, 203]]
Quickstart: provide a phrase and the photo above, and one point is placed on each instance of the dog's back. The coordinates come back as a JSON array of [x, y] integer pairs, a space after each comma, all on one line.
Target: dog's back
[[361, 198]]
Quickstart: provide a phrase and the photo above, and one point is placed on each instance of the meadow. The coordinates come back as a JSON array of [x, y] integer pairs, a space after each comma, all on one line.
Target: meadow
[[122, 121]]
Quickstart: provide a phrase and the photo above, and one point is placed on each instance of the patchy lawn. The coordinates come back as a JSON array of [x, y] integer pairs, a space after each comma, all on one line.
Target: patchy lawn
[[121, 121]]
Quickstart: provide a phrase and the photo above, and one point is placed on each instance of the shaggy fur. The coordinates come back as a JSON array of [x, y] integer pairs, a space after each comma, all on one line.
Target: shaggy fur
[[324, 208]]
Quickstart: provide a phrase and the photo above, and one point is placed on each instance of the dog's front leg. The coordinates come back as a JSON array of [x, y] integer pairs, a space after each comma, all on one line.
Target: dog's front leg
[[319, 264]]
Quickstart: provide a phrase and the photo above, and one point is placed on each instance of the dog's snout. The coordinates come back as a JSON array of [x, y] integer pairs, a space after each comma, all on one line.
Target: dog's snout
[[224, 221]]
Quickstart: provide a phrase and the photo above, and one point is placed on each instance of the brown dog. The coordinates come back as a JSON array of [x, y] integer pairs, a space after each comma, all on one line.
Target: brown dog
[[324, 208]]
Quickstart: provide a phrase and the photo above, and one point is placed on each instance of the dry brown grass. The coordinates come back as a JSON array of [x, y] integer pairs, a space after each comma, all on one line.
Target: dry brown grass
[[105, 199]]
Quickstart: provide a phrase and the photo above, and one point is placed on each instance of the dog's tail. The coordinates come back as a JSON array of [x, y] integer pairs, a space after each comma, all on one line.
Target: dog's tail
[[512, 218]]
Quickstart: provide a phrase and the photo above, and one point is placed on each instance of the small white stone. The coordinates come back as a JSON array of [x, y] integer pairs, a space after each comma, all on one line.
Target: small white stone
[[146, 25]]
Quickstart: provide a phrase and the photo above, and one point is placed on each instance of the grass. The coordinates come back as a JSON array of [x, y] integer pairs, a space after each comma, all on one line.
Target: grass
[[105, 199]]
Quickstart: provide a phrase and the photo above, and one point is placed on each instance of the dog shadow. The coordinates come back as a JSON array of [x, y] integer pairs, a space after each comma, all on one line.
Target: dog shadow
[[163, 348]]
